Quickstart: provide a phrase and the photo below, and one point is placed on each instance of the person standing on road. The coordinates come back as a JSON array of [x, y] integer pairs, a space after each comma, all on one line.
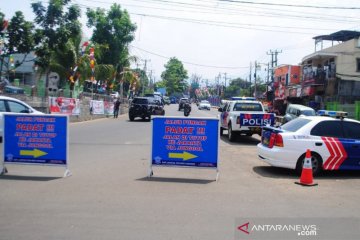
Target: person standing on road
[[116, 108]]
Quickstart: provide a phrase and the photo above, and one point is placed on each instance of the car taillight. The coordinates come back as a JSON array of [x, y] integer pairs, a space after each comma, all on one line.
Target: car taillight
[[279, 141], [276, 140], [272, 140], [238, 120]]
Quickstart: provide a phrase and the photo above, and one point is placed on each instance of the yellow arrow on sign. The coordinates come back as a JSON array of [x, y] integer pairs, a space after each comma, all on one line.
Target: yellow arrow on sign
[[35, 153], [185, 155]]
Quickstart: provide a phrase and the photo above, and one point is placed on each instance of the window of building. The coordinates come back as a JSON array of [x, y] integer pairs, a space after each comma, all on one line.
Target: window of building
[[358, 64]]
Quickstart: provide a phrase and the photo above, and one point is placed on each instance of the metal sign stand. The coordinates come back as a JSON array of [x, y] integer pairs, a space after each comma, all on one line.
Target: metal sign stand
[[67, 173], [151, 172], [3, 169]]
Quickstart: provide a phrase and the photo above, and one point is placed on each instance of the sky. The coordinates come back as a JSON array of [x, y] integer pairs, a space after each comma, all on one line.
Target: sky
[[221, 38]]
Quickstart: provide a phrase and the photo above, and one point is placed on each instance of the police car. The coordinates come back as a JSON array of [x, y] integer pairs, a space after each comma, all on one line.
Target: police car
[[334, 143], [243, 116]]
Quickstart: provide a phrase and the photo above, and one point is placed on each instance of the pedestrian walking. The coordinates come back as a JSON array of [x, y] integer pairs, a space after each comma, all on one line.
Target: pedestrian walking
[[116, 108]]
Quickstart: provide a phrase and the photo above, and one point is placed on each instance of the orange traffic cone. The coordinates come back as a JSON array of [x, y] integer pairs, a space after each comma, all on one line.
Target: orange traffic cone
[[306, 178]]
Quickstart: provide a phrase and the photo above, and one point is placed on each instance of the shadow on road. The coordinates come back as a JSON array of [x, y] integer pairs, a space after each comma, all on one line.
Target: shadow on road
[[275, 172], [176, 180], [243, 140], [28, 178], [137, 120]]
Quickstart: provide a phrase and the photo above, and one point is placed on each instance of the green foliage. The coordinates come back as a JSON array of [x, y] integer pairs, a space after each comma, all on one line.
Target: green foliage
[[174, 76], [55, 27], [194, 85], [20, 35], [17, 39], [237, 87], [114, 30], [143, 80]]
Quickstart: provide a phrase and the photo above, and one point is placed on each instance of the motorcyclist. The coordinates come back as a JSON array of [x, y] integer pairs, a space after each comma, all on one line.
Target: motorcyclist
[[187, 108]]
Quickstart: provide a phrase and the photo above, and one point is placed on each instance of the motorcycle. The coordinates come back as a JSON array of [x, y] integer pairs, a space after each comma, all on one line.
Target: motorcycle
[[187, 109]]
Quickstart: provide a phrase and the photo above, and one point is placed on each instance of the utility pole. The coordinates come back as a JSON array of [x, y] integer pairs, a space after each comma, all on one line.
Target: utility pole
[[255, 69], [268, 76], [150, 79], [225, 78], [250, 78], [274, 61], [143, 82]]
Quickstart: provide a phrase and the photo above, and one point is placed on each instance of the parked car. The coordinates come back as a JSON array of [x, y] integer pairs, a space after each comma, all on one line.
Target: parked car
[[13, 105], [235, 113], [204, 104], [144, 107], [334, 143], [7, 87], [295, 110], [167, 100], [182, 103], [158, 97], [173, 100]]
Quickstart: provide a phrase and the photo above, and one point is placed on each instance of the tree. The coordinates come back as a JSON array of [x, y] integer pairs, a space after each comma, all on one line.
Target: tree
[[114, 30], [16, 37], [237, 87], [174, 76], [56, 27], [194, 85]]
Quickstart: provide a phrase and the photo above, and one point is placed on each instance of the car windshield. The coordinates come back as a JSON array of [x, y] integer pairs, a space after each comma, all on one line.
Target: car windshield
[[295, 124], [154, 101], [308, 112], [206, 102], [249, 107], [140, 101]]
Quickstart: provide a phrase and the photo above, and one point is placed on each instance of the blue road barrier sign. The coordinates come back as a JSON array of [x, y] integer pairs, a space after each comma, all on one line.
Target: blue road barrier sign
[[185, 142], [36, 139], [257, 119]]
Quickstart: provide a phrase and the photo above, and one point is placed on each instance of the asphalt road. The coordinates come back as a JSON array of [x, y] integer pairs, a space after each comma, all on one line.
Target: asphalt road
[[109, 196]]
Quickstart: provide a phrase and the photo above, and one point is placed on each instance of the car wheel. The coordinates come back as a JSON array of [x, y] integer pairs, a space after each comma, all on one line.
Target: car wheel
[[316, 163], [131, 118], [231, 134], [221, 131]]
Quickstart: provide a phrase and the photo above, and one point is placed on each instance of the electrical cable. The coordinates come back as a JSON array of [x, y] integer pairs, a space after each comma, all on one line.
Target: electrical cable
[[190, 63]]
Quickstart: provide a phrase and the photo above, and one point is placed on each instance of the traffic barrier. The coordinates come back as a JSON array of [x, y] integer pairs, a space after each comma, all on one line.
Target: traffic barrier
[[306, 178]]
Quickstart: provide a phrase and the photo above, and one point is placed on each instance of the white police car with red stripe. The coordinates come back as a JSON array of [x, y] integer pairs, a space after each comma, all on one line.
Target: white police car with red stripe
[[334, 143]]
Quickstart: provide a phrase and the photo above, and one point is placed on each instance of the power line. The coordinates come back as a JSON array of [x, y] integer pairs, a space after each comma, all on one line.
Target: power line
[[190, 63], [232, 25], [291, 5], [332, 18]]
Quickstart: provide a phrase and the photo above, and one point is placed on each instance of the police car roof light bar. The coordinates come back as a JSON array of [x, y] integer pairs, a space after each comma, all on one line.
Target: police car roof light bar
[[243, 98], [337, 114]]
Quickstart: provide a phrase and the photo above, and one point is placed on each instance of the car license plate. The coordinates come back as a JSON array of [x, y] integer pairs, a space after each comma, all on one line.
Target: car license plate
[[265, 138]]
